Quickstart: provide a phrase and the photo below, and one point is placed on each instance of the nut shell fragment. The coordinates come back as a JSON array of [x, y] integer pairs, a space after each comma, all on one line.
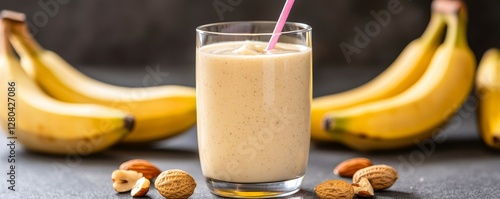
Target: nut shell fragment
[[124, 180], [363, 188], [140, 188]]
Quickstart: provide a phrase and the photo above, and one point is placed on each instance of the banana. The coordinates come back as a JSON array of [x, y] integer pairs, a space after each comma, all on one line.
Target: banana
[[488, 88], [45, 125], [402, 74], [160, 112], [414, 114]]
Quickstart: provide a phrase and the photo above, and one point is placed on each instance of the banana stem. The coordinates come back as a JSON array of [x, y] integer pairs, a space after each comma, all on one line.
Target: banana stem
[[18, 32], [23, 41], [457, 28], [436, 25], [332, 123], [5, 48]]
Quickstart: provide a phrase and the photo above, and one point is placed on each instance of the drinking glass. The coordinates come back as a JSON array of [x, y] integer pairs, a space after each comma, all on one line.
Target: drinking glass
[[253, 107]]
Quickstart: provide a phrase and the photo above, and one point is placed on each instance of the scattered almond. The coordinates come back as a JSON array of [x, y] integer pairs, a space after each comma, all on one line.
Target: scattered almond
[[334, 189], [348, 167], [145, 167], [380, 176], [175, 184], [363, 188], [140, 188]]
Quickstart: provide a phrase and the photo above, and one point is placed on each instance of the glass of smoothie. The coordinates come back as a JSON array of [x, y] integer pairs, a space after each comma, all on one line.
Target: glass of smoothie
[[253, 107]]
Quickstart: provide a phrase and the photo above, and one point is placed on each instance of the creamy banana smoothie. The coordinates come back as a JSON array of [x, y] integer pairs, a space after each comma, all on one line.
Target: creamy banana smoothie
[[253, 106], [253, 111]]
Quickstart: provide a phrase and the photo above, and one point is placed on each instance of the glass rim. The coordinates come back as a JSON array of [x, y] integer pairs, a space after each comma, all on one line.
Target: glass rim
[[303, 28]]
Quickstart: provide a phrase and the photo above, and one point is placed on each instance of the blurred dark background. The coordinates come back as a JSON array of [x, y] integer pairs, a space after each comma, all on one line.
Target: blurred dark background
[[131, 35]]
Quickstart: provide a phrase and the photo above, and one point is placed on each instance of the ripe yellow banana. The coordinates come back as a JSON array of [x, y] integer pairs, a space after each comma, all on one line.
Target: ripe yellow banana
[[160, 112], [46, 125], [402, 74], [488, 87], [411, 116]]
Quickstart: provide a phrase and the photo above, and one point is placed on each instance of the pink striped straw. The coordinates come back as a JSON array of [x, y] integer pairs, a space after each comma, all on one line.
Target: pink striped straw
[[280, 24]]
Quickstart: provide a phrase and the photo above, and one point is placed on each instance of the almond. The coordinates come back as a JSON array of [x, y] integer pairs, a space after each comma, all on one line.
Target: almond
[[347, 168], [334, 189], [380, 176], [145, 167]]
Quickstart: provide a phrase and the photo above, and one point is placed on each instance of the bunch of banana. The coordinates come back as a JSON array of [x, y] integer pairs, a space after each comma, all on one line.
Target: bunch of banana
[[160, 112], [398, 77], [488, 88], [413, 114], [46, 125]]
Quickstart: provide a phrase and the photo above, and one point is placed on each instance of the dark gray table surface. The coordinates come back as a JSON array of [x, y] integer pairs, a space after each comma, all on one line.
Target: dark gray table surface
[[460, 167]]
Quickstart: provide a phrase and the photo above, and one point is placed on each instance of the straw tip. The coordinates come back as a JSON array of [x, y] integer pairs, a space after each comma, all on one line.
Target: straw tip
[[280, 24]]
